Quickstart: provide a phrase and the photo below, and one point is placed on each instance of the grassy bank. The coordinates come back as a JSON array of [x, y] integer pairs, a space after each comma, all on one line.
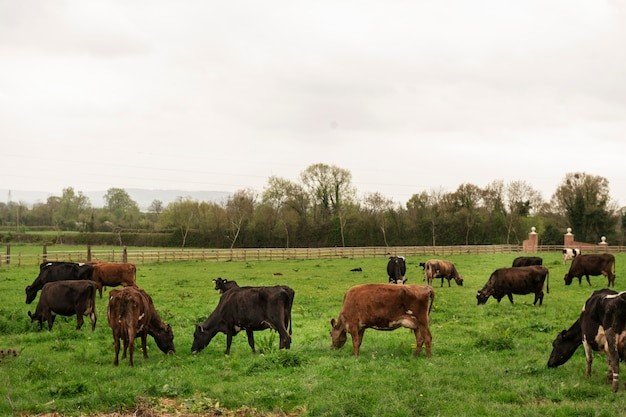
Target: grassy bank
[[488, 360]]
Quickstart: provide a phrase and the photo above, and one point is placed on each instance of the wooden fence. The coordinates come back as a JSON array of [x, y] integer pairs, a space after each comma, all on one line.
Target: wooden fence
[[254, 254]]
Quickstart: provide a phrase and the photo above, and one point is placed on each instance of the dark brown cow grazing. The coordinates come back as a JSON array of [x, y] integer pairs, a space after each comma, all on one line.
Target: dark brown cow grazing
[[437, 268], [66, 298], [600, 327], [56, 271], [527, 261], [131, 314], [601, 264], [113, 274], [519, 280], [384, 307]]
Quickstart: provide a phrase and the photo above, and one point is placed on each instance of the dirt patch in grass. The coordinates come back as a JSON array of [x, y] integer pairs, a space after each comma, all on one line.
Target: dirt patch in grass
[[167, 407]]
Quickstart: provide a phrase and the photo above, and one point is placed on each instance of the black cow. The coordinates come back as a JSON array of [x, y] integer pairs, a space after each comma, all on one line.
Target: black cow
[[527, 261], [249, 309], [519, 280], [57, 271], [66, 298], [600, 327], [601, 264], [396, 269]]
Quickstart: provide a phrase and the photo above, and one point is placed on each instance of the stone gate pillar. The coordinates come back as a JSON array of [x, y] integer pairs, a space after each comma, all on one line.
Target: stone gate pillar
[[530, 244], [568, 238]]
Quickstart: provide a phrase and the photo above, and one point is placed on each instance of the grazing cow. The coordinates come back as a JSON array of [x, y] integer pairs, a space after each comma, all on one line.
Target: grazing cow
[[570, 253], [436, 268], [519, 280], [56, 271], [396, 269], [384, 307], [357, 269], [131, 314], [66, 298], [600, 327], [601, 264], [249, 309], [423, 265], [527, 261], [113, 274]]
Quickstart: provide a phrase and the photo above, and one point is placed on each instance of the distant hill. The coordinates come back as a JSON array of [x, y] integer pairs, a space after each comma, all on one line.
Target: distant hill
[[143, 197]]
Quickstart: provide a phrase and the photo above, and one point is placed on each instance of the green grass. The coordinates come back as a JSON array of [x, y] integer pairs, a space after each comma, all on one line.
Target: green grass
[[487, 360]]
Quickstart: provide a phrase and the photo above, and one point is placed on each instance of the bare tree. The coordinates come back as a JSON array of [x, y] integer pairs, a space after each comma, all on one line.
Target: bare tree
[[378, 206], [521, 199], [239, 209]]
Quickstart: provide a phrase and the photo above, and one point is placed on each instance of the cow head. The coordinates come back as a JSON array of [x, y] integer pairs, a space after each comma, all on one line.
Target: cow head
[[459, 280], [568, 278], [563, 347], [338, 335], [423, 265], [31, 293], [33, 317], [220, 284], [396, 269], [482, 296], [164, 338], [201, 339]]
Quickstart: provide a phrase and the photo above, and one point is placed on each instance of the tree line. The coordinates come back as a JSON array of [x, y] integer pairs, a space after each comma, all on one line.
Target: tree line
[[322, 209]]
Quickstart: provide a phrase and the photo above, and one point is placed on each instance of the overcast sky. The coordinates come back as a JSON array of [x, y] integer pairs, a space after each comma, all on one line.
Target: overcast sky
[[407, 95]]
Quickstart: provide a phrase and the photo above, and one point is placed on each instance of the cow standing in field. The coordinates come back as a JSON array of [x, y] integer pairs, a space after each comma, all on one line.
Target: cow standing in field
[[601, 264], [600, 327], [113, 274], [57, 271], [527, 261], [519, 280], [250, 309], [131, 314], [384, 307], [66, 298], [437, 268], [396, 269], [570, 253]]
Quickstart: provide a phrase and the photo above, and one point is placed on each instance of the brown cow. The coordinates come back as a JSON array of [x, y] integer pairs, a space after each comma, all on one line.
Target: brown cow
[[518, 280], [113, 274], [66, 298], [130, 314], [437, 268], [384, 307], [602, 264]]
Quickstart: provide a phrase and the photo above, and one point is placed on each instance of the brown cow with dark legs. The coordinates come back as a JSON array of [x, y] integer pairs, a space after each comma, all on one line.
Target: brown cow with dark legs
[[66, 298], [131, 314], [437, 268], [527, 261], [112, 274], [518, 280], [384, 307], [600, 327], [600, 264]]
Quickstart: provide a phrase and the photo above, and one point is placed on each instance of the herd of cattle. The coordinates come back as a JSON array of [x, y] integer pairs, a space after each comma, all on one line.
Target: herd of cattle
[[70, 289]]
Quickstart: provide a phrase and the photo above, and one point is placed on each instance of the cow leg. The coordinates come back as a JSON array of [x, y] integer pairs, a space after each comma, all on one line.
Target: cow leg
[[125, 348], [131, 346], [100, 289], [357, 339], [588, 282], [285, 339], [612, 358], [144, 336], [116, 343], [588, 356], [419, 341], [79, 320], [538, 297], [448, 282], [229, 341], [93, 319], [51, 318], [510, 297], [427, 338], [250, 335]]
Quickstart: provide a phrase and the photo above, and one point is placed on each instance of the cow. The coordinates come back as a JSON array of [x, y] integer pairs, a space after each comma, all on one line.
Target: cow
[[66, 298], [527, 261], [601, 326], [131, 314], [396, 269], [570, 253], [600, 264], [518, 280], [422, 265], [112, 274], [384, 307], [437, 268], [57, 271], [250, 309]]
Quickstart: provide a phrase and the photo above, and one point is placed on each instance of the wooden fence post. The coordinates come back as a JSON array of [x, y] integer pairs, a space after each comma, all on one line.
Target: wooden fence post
[[88, 253], [44, 256], [8, 258], [125, 255]]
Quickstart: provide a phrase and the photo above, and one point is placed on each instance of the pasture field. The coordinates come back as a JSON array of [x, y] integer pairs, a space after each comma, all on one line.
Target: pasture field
[[487, 360]]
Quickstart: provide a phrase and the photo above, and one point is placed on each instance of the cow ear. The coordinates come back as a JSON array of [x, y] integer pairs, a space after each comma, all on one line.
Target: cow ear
[[333, 322], [199, 329], [30, 315]]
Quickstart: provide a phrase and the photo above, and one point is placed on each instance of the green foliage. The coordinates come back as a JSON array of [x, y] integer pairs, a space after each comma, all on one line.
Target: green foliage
[[487, 360]]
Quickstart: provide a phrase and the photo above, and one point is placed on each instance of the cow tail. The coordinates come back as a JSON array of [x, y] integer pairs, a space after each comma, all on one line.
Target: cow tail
[[548, 281], [92, 297], [432, 300]]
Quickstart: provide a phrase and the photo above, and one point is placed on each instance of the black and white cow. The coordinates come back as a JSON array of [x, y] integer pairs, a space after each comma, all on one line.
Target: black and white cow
[[570, 253], [57, 271], [600, 327], [396, 269]]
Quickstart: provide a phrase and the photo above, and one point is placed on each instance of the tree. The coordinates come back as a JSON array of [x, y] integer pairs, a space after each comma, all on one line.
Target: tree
[[585, 202], [466, 200], [71, 210], [289, 201], [378, 206], [522, 200], [156, 207], [123, 209], [181, 214], [239, 210]]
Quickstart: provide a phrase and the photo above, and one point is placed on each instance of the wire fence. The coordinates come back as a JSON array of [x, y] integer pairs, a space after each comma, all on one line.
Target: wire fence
[[259, 254]]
